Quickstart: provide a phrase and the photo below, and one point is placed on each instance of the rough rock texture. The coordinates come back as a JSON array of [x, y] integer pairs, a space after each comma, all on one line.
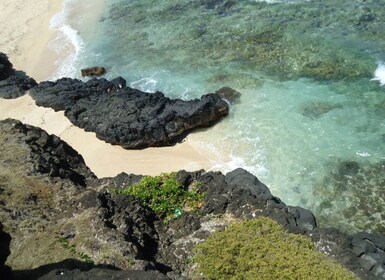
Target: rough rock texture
[[16, 85], [229, 94], [125, 116], [93, 71], [53, 221], [6, 67], [48, 153], [13, 83]]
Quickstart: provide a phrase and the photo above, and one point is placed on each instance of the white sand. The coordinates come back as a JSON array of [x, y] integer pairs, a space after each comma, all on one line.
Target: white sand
[[24, 36]]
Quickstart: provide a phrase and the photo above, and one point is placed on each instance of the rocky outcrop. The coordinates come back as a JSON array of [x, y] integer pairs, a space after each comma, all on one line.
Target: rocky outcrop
[[6, 67], [49, 154], [53, 220], [13, 83], [127, 117], [93, 71]]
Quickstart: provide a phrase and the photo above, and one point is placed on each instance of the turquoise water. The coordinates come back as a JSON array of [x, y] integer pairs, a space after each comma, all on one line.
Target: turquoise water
[[311, 120]]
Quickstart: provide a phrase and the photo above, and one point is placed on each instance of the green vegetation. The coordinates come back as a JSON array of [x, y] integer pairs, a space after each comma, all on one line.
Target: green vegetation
[[165, 195], [262, 249], [72, 248]]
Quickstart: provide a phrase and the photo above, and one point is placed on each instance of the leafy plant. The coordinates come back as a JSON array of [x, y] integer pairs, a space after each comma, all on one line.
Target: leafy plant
[[262, 249], [165, 195]]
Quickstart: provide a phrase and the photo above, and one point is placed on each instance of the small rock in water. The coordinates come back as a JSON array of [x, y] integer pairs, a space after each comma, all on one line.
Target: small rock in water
[[315, 110], [93, 71], [229, 94]]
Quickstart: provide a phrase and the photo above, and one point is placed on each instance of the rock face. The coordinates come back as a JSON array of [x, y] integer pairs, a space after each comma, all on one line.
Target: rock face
[[125, 116], [54, 220], [13, 83], [49, 154], [6, 67]]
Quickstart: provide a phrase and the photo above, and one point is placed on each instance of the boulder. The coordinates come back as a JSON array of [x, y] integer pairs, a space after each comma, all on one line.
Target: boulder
[[93, 71], [16, 85], [13, 83], [229, 94], [6, 67]]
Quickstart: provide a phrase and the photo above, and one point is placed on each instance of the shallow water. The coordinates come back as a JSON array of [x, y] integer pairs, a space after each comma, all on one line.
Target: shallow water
[[311, 120]]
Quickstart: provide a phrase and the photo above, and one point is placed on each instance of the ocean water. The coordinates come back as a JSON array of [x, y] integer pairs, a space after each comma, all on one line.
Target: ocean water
[[311, 120]]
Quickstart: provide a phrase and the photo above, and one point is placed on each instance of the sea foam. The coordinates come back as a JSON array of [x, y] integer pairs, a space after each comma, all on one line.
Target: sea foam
[[379, 74], [68, 44]]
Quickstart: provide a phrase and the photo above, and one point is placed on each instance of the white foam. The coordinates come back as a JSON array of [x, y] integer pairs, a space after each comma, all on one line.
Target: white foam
[[146, 84], [237, 162], [379, 74], [68, 43]]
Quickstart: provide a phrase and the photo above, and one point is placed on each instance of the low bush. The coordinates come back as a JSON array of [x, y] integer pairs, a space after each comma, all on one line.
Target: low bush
[[164, 195], [262, 249]]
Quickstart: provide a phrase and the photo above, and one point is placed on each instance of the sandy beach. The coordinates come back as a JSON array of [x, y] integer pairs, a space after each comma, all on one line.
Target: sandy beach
[[24, 38], [25, 35]]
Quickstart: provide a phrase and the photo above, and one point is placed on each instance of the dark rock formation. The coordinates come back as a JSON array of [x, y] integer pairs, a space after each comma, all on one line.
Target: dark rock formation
[[5, 240], [13, 83], [72, 269], [102, 274], [125, 116], [93, 71], [229, 94], [16, 85], [361, 255], [48, 153], [6, 67]]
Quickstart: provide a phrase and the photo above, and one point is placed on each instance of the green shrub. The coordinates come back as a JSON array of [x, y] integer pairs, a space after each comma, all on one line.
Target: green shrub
[[164, 195], [262, 249]]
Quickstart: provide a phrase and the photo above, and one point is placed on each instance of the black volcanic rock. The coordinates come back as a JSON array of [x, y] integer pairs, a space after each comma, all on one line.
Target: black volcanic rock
[[125, 116], [16, 85], [49, 154], [229, 94], [6, 67], [102, 274], [5, 241], [13, 83]]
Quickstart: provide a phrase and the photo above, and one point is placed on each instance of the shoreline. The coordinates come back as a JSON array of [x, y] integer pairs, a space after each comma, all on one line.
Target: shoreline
[[104, 159], [26, 35], [28, 50]]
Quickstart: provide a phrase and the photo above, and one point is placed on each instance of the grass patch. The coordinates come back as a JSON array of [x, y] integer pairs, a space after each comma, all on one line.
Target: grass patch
[[165, 195], [262, 249], [72, 248]]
